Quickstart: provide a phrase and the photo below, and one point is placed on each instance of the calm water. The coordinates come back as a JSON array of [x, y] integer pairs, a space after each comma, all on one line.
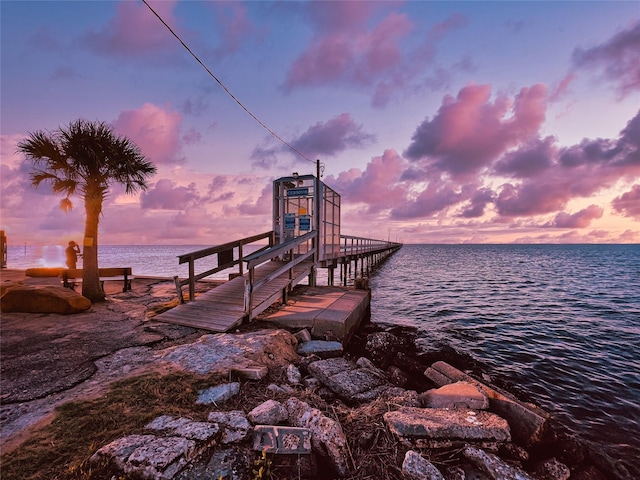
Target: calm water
[[559, 322]]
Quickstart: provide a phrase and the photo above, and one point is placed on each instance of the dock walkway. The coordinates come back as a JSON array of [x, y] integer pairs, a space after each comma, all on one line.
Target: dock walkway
[[223, 308]]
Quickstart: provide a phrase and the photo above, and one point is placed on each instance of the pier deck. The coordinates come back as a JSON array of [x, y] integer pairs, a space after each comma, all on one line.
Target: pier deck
[[222, 308]]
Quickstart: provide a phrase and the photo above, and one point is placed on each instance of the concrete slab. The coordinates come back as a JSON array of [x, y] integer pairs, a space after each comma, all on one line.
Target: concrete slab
[[328, 312]]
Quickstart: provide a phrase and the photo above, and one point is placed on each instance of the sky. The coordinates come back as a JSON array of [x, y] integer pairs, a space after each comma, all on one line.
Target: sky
[[436, 122]]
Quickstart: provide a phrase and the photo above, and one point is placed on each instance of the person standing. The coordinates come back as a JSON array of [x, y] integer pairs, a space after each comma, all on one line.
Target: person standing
[[72, 251]]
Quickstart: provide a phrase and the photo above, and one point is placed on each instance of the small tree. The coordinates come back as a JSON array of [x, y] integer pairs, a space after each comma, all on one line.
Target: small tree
[[84, 159]]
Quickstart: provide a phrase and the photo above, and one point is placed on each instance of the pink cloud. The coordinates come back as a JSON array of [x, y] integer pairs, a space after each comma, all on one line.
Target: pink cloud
[[628, 203], [166, 195], [470, 131], [558, 91], [378, 186], [437, 197], [346, 52], [581, 219], [617, 58], [135, 30], [155, 130]]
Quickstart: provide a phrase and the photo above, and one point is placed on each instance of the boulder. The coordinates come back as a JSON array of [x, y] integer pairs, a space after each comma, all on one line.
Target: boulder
[[349, 381], [43, 299], [235, 426], [494, 466], [322, 348], [218, 394], [327, 437], [527, 422], [148, 456], [294, 377], [225, 352], [434, 424], [455, 395], [270, 412], [184, 427], [416, 467]]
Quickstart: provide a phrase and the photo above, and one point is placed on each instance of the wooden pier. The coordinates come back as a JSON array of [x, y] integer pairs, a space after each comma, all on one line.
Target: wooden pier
[[306, 236], [270, 274]]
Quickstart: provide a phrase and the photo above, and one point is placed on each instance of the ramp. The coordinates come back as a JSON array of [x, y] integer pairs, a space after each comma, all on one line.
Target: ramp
[[222, 308]]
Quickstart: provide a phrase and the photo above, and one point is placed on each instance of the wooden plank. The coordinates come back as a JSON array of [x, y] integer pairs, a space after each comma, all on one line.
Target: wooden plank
[[222, 308]]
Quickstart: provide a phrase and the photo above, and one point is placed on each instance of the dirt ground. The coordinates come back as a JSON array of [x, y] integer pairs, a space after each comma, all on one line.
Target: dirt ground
[[50, 359]]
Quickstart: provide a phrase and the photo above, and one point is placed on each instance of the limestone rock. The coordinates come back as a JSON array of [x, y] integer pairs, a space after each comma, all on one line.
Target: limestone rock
[[269, 413], [321, 348], [235, 426], [218, 394], [347, 380], [223, 352], [303, 335], [120, 449], [441, 424], [43, 299], [455, 395], [160, 459], [148, 456], [327, 437], [294, 377], [416, 467], [251, 373], [184, 427], [382, 348], [527, 422], [494, 466]]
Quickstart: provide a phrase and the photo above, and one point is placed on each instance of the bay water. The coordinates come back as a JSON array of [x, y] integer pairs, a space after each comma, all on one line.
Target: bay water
[[559, 323]]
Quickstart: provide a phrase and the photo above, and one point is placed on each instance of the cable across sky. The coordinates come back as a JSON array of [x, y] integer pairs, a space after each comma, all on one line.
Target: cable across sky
[[224, 87]]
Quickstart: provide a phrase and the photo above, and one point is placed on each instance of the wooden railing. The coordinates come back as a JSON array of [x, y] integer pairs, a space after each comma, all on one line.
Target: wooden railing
[[350, 245], [293, 252], [225, 259]]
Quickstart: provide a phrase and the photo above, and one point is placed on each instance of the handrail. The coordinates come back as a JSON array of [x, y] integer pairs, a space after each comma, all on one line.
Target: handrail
[[225, 260], [285, 249], [256, 258]]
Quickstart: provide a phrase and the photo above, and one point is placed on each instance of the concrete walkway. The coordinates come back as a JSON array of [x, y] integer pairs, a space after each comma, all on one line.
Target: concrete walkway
[[331, 313]]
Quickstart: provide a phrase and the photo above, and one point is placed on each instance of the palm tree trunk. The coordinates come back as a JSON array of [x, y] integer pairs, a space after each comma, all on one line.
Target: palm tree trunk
[[90, 278]]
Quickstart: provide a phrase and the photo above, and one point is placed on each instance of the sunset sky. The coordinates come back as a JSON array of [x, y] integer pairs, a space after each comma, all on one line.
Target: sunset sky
[[437, 122]]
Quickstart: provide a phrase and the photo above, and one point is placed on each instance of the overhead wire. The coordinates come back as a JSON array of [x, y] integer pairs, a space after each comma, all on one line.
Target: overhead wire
[[224, 87]]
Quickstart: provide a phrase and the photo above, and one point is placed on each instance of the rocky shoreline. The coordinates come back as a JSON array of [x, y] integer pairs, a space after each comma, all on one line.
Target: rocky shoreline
[[281, 405], [328, 412]]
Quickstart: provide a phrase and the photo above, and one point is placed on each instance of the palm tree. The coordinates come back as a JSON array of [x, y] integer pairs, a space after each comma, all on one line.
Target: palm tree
[[84, 159]]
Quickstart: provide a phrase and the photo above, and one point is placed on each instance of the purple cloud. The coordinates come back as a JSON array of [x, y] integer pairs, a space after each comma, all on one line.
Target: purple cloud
[[581, 219], [628, 204], [331, 137], [618, 59], [470, 131]]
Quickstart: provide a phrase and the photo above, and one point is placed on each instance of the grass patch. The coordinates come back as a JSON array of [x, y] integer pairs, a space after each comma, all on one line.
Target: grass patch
[[62, 449]]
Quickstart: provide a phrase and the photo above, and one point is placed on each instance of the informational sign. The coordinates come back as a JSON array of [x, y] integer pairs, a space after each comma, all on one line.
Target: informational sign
[[298, 192], [305, 222], [302, 211], [289, 221]]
